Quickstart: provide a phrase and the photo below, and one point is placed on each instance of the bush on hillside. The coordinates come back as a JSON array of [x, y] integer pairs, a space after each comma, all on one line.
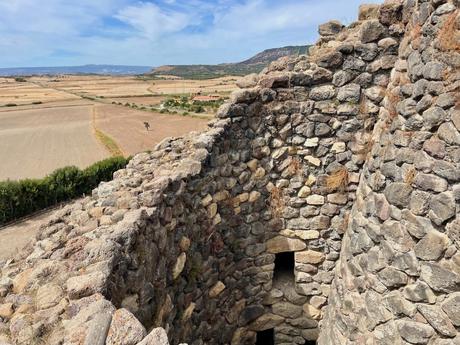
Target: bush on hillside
[[21, 198]]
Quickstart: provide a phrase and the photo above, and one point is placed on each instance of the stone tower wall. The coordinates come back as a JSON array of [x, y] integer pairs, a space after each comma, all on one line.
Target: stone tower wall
[[397, 281]]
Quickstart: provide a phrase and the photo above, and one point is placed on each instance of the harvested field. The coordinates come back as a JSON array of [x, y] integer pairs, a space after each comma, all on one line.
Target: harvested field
[[52, 122], [27, 93], [126, 126], [34, 142]]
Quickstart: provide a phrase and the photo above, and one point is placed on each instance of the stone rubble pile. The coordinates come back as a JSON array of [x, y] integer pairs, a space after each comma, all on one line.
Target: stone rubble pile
[[347, 159]]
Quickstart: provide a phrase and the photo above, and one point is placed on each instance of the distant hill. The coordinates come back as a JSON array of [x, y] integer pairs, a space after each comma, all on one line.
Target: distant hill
[[86, 69], [253, 65]]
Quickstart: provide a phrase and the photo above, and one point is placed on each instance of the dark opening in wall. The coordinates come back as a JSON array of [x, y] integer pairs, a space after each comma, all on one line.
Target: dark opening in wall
[[310, 342], [284, 267], [266, 337]]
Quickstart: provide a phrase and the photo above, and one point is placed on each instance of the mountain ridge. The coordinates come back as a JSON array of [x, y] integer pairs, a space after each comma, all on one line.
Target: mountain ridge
[[255, 64], [82, 69]]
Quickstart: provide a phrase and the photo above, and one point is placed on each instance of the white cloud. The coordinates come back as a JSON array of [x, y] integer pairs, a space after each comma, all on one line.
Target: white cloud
[[154, 32], [151, 21]]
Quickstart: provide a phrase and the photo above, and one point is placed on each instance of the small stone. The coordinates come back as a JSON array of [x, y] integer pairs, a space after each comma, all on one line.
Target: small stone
[[281, 244], [286, 309], [433, 70], [368, 11], [434, 116], [430, 182], [48, 296], [451, 306], [313, 160], [398, 194], [217, 289], [338, 147], [157, 336], [440, 278], [254, 196], [311, 312], [304, 192], [315, 200], [398, 305], [125, 329], [311, 142], [432, 246], [266, 321], [371, 30], [414, 332], [349, 93], [86, 285], [419, 292], [250, 313], [6, 311], [309, 257], [184, 243], [391, 277], [442, 207], [321, 93], [307, 234], [437, 319], [330, 28], [449, 133], [179, 265]]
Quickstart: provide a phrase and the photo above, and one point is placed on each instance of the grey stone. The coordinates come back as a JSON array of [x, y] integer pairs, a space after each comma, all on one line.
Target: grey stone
[[433, 70], [437, 319], [398, 305], [322, 93], [414, 332], [430, 182], [432, 246], [157, 336], [330, 28], [250, 313], [398, 194], [391, 277], [371, 30], [451, 306], [449, 133], [440, 278], [125, 329], [286, 309], [419, 292], [349, 93], [434, 117], [442, 207]]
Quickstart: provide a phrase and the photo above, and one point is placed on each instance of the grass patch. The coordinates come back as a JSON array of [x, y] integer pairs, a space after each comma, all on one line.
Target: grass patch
[[277, 202], [337, 181], [109, 143]]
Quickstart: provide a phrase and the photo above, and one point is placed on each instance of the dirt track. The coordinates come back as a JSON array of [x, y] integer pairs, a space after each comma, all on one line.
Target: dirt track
[[34, 142], [15, 237]]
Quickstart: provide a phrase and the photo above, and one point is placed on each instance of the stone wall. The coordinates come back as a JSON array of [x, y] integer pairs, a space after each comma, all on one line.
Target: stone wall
[[186, 238], [398, 278]]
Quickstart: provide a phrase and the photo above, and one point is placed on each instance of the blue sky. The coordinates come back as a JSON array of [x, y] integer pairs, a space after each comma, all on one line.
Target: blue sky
[[157, 32]]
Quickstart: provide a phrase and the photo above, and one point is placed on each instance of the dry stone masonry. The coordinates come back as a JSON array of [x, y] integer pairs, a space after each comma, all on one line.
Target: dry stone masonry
[[322, 206]]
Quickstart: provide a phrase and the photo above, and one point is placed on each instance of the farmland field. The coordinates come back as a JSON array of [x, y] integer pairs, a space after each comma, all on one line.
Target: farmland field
[[51, 122], [34, 142]]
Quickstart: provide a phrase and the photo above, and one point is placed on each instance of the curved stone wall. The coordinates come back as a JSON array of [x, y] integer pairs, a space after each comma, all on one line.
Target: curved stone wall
[[186, 240], [397, 281]]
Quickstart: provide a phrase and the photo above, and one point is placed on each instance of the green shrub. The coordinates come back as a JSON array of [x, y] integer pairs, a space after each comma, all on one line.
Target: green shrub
[[11, 105], [20, 198]]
